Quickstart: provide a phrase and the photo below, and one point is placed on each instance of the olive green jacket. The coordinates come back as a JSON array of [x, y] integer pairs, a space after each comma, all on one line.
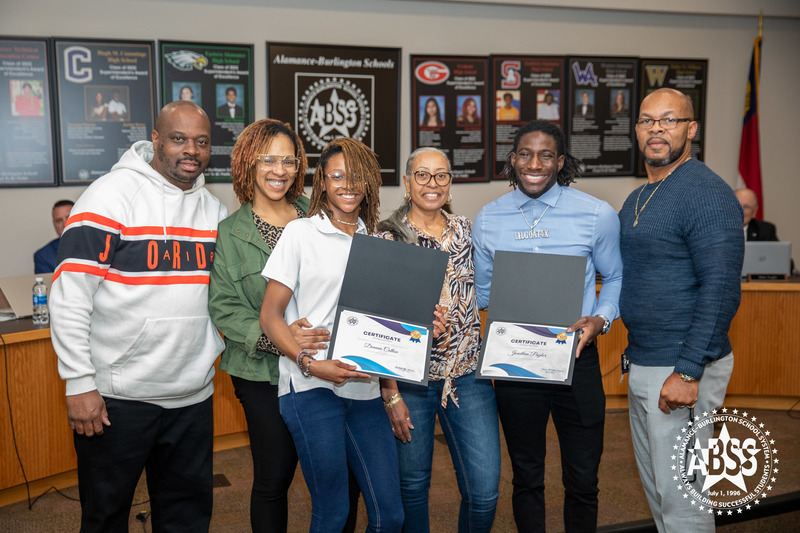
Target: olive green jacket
[[236, 293]]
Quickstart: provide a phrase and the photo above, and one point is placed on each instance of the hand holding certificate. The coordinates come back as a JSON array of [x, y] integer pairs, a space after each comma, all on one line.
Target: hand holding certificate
[[384, 322], [526, 336], [527, 351], [385, 347]]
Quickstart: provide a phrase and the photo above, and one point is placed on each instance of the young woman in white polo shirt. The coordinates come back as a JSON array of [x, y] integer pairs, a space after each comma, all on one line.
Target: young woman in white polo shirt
[[335, 414]]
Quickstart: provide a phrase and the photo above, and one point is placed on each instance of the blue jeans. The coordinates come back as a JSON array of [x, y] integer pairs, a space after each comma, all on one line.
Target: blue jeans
[[331, 433], [472, 434]]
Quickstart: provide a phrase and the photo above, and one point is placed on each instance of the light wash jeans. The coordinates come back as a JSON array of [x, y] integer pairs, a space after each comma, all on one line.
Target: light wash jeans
[[472, 434]]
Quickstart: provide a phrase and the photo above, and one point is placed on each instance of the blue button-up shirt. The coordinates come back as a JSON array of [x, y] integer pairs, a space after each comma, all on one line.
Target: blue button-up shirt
[[576, 224]]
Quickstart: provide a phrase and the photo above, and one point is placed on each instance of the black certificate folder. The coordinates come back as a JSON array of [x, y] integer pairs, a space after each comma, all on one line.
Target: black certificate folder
[[538, 292], [394, 281]]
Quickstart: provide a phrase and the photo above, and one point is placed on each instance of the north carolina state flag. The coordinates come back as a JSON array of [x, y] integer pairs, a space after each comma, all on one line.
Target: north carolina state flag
[[749, 153]]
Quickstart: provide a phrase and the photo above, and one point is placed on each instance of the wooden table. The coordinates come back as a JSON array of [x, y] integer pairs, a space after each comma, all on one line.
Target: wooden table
[[36, 391]]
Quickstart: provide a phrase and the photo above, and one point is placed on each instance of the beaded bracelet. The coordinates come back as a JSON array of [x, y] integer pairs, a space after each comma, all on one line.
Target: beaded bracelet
[[307, 372], [299, 359]]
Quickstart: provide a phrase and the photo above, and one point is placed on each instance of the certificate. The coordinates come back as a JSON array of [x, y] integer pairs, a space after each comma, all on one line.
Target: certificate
[[390, 290], [382, 346], [525, 338], [528, 351]]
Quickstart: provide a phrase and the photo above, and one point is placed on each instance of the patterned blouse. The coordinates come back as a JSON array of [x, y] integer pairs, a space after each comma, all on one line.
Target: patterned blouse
[[455, 352], [270, 234]]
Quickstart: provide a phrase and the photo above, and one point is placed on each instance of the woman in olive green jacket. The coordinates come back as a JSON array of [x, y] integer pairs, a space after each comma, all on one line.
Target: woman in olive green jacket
[[268, 164]]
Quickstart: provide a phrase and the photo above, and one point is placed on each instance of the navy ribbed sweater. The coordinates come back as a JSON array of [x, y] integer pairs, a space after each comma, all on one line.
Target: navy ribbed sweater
[[681, 270]]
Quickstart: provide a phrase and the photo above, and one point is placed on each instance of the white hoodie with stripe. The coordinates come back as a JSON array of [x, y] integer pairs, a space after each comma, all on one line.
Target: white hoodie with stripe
[[129, 299]]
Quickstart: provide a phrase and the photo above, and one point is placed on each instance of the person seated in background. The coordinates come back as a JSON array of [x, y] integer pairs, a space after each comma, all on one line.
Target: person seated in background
[[754, 230], [44, 260]]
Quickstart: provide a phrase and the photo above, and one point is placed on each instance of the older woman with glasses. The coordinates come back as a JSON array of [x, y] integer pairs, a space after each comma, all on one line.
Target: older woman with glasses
[[465, 406], [268, 164]]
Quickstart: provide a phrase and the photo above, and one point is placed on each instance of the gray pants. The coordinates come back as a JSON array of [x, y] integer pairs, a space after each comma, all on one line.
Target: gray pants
[[654, 434]]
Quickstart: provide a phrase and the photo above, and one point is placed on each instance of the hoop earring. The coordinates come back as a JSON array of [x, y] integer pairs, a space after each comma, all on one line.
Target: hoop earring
[[449, 199], [407, 197]]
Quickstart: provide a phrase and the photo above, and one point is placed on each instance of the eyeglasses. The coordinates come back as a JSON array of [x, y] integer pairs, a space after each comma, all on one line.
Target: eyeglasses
[[668, 123], [423, 178], [268, 163], [338, 180]]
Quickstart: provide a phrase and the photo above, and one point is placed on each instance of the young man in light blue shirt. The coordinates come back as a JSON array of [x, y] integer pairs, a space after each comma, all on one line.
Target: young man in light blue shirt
[[543, 215]]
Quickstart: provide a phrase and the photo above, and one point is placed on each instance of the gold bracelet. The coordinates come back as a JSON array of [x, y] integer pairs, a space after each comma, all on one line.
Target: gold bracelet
[[394, 400]]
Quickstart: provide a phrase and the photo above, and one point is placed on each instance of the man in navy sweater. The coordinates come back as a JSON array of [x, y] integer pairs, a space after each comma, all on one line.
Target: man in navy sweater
[[682, 250]]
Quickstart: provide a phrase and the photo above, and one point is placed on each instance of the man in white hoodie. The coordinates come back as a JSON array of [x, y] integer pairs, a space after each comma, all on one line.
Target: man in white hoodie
[[131, 328]]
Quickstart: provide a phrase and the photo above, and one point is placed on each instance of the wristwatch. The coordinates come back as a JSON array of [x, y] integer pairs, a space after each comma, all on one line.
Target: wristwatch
[[606, 324], [686, 378]]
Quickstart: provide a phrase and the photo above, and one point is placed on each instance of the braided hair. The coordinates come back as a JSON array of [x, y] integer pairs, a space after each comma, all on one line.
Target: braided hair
[[361, 165], [254, 141]]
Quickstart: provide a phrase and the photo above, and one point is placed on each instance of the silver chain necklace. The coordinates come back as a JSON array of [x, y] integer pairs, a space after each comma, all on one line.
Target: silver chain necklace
[[533, 233]]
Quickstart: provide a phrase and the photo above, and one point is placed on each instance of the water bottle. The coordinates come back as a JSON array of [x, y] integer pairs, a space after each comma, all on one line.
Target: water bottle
[[41, 317]]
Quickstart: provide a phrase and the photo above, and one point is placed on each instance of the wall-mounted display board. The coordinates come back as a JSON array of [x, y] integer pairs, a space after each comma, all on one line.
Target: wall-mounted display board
[[524, 88], [328, 91], [105, 101], [218, 78], [26, 118], [690, 76], [449, 110], [600, 130]]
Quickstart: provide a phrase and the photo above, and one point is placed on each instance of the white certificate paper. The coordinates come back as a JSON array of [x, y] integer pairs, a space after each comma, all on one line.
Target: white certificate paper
[[527, 352], [382, 346]]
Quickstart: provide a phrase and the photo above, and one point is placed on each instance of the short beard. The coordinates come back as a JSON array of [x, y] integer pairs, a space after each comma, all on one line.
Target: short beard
[[167, 167], [671, 158]]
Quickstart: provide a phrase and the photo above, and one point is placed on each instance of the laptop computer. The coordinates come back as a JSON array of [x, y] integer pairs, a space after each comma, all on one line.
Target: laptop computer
[[767, 257], [16, 295]]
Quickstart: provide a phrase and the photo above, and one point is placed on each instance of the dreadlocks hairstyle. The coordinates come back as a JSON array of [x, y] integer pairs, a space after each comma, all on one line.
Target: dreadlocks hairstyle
[[361, 164], [254, 141], [572, 165]]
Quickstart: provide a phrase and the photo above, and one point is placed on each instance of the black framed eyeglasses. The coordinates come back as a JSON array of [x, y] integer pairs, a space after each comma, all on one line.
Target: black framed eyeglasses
[[669, 123], [423, 178], [268, 163]]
